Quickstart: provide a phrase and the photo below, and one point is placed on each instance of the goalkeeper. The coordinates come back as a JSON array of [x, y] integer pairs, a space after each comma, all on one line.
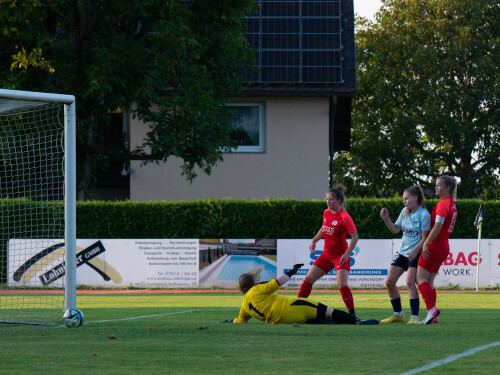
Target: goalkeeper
[[262, 302]]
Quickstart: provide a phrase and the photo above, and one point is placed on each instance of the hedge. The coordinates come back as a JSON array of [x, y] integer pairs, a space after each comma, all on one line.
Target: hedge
[[270, 218], [226, 218], [229, 218]]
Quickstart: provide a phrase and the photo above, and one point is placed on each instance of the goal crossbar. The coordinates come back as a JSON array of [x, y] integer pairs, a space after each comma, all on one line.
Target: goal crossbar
[[37, 96]]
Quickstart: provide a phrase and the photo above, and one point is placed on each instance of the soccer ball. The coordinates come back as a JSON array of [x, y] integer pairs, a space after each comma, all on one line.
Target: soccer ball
[[73, 318]]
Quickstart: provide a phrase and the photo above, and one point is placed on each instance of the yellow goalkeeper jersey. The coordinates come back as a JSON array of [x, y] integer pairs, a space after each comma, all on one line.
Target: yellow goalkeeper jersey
[[263, 303]]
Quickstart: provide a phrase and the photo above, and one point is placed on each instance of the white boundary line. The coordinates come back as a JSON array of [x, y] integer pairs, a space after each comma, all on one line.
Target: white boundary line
[[451, 358], [144, 316]]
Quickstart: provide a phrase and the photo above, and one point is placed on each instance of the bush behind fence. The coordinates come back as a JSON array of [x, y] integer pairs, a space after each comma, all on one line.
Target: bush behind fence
[[233, 218], [270, 218]]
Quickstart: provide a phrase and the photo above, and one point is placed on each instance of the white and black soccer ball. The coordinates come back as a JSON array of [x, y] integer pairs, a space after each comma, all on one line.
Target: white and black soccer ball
[[73, 318]]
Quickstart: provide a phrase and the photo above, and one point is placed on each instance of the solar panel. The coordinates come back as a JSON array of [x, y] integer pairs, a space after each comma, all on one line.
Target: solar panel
[[297, 41]]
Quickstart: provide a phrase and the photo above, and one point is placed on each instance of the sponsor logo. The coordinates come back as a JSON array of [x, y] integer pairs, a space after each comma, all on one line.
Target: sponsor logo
[[314, 256], [368, 272], [455, 260], [354, 252], [456, 272], [317, 253], [410, 232], [327, 230], [87, 256], [470, 260]]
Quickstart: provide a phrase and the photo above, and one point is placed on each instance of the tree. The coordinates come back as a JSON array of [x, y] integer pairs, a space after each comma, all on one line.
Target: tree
[[172, 63], [427, 103]]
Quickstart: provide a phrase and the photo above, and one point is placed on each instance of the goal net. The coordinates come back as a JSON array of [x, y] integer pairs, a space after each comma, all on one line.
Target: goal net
[[34, 207]]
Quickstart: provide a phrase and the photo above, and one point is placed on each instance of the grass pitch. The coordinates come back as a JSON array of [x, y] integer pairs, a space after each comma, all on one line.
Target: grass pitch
[[182, 334]]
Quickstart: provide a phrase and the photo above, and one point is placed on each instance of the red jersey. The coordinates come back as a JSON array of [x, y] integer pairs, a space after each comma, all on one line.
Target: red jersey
[[335, 228], [446, 209]]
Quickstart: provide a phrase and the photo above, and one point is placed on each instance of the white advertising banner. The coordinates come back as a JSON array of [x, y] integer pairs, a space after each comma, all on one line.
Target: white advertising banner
[[370, 261], [460, 267], [494, 247], [174, 263], [142, 263]]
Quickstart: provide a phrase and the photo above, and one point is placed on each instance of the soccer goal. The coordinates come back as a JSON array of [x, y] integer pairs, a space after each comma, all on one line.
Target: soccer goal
[[37, 206]]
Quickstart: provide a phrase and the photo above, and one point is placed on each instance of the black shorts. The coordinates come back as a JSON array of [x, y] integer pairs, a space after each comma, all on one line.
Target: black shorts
[[404, 262]]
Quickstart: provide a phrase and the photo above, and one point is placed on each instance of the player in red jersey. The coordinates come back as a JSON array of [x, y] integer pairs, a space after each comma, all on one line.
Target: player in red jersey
[[336, 253], [436, 247]]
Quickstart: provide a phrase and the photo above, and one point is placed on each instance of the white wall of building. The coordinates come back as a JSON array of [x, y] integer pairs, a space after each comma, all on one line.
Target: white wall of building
[[294, 164]]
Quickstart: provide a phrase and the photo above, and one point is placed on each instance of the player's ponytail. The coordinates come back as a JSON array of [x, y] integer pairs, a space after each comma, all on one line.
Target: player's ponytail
[[249, 279], [416, 191], [339, 192], [452, 183]]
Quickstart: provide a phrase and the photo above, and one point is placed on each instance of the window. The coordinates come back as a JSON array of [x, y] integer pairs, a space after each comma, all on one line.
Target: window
[[248, 126]]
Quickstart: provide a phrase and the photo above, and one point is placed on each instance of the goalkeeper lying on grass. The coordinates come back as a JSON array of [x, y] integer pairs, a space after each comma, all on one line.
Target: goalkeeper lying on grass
[[262, 302]]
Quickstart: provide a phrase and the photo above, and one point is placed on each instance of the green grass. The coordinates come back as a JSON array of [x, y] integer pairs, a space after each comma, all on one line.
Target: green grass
[[183, 335], [272, 257]]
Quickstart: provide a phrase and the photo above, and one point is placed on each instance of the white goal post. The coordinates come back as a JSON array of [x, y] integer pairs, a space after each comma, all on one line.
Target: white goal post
[[53, 179]]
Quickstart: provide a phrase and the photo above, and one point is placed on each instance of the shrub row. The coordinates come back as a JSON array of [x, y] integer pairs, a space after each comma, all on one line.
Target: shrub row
[[227, 218], [271, 218], [220, 218]]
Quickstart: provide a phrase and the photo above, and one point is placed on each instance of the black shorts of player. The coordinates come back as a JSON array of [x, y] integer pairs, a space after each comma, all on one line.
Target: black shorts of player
[[404, 262]]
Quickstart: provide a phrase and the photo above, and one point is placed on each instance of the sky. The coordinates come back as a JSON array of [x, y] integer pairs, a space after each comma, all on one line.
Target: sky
[[367, 8]]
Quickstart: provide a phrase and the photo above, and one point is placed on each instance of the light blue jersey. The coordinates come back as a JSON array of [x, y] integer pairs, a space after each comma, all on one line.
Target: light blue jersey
[[412, 225]]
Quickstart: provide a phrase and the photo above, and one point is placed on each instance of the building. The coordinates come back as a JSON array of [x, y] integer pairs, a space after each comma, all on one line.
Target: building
[[293, 115]]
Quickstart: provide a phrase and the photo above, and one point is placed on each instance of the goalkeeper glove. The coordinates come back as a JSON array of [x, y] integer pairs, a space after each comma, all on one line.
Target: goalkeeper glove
[[294, 269]]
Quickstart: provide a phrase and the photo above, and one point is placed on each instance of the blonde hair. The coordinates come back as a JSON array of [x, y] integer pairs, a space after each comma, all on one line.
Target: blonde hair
[[249, 279], [451, 182], [416, 191]]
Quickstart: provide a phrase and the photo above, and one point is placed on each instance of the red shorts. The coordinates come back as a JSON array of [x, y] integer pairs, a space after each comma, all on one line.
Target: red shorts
[[439, 252], [327, 262]]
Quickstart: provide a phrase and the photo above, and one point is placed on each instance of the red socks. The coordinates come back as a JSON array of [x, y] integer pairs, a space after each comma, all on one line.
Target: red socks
[[305, 289], [347, 297], [428, 295]]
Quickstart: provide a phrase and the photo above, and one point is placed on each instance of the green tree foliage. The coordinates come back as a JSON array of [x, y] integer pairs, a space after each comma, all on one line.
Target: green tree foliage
[[172, 63], [427, 103]]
